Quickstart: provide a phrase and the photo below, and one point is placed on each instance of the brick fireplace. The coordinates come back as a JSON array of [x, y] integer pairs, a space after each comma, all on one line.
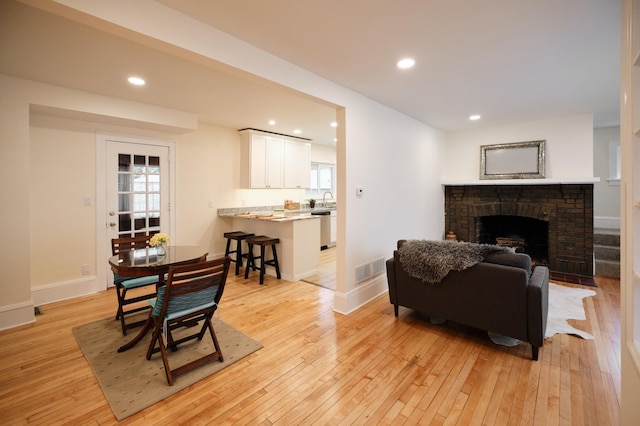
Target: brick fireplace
[[526, 212]]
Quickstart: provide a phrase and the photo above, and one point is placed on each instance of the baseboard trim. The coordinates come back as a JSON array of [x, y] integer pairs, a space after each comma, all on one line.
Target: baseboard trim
[[606, 222], [64, 290], [346, 303], [16, 315]]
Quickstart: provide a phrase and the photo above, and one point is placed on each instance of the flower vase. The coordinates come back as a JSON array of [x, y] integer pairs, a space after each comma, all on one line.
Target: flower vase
[[161, 250]]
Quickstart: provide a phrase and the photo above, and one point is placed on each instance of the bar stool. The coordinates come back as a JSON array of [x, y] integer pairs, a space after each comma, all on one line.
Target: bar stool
[[262, 241], [238, 236]]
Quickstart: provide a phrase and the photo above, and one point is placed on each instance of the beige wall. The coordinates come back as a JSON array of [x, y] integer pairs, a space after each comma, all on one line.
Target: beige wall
[[15, 298], [62, 172]]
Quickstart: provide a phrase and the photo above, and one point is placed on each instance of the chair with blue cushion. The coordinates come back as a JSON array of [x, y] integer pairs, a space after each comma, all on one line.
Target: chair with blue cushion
[[190, 297], [124, 284]]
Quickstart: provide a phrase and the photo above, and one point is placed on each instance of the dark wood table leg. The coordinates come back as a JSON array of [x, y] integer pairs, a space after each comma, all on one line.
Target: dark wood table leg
[[148, 325], [143, 332]]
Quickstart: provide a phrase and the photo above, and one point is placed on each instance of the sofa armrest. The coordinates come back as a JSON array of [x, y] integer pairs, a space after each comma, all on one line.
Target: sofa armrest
[[538, 304]]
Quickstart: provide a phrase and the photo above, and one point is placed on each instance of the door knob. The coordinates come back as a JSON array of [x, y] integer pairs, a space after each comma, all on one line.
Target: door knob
[[112, 224]]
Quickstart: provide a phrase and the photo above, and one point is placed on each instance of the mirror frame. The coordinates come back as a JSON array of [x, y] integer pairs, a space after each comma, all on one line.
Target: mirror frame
[[520, 160]]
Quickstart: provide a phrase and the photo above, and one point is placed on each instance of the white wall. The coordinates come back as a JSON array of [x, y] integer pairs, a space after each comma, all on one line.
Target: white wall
[[569, 147], [606, 195], [323, 154]]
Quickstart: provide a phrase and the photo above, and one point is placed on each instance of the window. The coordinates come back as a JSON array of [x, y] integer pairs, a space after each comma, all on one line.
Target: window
[[322, 179]]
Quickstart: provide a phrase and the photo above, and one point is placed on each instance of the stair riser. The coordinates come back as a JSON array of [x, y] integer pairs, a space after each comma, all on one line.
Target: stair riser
[[606, 240], [606, 253], [608, 269]]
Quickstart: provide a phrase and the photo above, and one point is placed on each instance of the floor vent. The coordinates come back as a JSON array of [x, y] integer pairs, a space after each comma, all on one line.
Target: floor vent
[[369, 269]]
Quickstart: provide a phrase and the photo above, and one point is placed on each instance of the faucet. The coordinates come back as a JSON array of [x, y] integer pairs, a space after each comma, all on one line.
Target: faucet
[[324, 200]]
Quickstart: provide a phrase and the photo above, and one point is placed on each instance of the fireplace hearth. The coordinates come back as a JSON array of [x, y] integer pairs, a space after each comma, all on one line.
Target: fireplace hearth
[[552, 223], [525, 234]]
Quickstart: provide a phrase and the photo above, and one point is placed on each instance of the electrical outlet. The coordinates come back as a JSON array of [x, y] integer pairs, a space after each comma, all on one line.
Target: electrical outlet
[[86, 269]]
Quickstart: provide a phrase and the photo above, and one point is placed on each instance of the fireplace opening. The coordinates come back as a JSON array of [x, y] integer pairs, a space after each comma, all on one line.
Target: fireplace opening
[[525, 234]]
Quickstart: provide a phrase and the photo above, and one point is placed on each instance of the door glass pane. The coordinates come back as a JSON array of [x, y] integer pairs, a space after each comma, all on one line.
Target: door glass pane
[[139, 183], [154, 165], [140, 223], [124, 204], [154, 220], [139, 194], [124, 183], [125, 222], [139, 163], [139, 202], [124, 162], [154, 183], [154, 201]]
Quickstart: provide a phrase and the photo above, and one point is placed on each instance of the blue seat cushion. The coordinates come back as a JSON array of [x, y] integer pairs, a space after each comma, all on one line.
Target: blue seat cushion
[[130, 283], [185, 303]]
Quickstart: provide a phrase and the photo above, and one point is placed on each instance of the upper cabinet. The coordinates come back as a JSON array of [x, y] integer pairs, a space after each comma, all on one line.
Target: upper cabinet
[[274, 161], [297, 164]]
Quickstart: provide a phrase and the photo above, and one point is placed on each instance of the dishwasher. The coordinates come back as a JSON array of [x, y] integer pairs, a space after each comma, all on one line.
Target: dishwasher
[[325, 231]]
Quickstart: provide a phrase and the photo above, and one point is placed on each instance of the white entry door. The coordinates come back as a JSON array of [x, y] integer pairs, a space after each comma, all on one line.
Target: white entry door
[[137, 192]]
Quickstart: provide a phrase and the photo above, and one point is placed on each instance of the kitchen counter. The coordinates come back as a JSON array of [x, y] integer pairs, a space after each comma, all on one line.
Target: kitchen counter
[[299, 234], [275, 215]]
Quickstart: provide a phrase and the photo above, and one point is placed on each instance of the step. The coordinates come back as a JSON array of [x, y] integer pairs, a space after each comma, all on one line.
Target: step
[[606, 252], [608, 268], [607, 237]]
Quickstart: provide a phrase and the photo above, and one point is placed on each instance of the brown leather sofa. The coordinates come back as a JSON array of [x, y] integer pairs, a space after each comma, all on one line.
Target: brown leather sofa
[[501, 294]]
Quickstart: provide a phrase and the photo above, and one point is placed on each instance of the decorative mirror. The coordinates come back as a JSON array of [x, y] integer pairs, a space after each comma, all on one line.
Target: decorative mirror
[[521, 160]]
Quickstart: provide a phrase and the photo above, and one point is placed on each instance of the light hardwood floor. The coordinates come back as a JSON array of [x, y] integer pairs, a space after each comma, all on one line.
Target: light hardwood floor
[[319, 367]]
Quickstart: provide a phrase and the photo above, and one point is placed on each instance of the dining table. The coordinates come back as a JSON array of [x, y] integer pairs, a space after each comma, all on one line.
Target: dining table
[[147, 261]]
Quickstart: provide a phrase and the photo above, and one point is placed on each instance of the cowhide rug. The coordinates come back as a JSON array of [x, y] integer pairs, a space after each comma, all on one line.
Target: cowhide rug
[[566, 303]]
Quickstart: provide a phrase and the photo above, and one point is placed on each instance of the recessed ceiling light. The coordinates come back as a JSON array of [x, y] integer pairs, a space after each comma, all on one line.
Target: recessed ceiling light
[[406, 63], [272, 122], [334, 124], [136, 81], [335, 139], [297, 131], [474, 117]]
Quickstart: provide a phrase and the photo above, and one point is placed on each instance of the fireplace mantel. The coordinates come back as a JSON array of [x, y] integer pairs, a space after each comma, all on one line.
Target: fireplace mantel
[[562, 181]]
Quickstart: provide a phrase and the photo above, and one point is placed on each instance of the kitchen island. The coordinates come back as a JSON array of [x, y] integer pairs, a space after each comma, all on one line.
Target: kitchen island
[[299, 234]]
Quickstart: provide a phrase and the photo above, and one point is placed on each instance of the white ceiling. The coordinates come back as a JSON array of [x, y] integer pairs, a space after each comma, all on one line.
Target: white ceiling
[[509, 61]]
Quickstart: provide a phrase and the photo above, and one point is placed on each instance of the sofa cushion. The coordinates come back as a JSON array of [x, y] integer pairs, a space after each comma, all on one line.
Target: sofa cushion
[[518, 260]]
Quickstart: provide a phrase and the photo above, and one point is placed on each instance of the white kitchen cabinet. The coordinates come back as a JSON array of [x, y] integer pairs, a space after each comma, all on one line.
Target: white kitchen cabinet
[[297, 164], [262, 160], [269, 160]]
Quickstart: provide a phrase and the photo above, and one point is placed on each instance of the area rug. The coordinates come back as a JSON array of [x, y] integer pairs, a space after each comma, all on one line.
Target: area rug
[[566, 303], [131, 383]]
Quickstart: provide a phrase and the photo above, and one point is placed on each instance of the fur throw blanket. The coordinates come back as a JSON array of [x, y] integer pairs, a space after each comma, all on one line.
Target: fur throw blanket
[[431, 261]]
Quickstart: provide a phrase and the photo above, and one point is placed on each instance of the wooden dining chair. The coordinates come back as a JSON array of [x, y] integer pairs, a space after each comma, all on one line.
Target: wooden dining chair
[[124, 284], [191, 296]]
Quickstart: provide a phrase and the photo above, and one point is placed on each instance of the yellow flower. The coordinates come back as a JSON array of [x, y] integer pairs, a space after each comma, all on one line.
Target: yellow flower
[[159, 238]]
